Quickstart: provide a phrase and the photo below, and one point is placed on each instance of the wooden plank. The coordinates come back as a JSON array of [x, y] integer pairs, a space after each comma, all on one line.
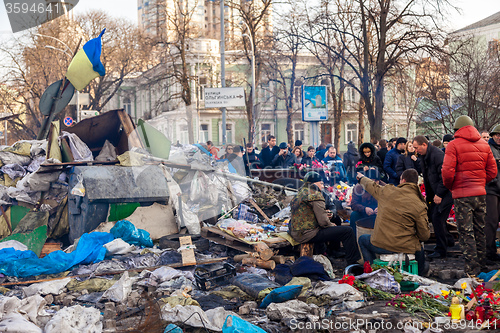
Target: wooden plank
[[221, 237], [188, 257], [129, 129]]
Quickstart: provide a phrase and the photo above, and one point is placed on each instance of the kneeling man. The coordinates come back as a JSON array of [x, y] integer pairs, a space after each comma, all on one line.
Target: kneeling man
[[310, 222], [402, 222]]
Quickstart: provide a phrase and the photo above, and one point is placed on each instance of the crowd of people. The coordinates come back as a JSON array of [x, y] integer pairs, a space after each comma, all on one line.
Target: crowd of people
[[388, 198], [460, 170]]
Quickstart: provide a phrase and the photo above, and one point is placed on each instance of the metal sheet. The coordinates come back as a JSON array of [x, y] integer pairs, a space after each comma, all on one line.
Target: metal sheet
[[122, 184]]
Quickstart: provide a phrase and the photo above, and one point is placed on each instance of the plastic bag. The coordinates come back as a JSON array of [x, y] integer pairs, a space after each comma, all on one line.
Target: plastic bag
[[234, 324], [120, 290], [79, 149], [128, 232], [200, 186], [79, 189]]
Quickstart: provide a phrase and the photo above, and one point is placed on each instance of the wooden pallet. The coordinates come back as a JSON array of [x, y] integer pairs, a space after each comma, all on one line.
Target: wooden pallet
[[221, 237]]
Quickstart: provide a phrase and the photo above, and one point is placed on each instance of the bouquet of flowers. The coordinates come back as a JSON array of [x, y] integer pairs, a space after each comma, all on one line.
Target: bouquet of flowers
[[341, 192], [298, 167]]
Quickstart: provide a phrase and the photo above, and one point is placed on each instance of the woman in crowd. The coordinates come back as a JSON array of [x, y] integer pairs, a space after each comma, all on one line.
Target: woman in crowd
[[298, 154], [408, 160], [368, 159]]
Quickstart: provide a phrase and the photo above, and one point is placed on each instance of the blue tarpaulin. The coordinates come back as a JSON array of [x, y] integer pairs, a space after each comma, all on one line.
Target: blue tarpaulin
[[89, 250], [26, 263], [129, 233]]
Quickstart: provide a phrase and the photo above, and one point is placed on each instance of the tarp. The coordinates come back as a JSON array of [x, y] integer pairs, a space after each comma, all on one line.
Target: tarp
[[25, 263]]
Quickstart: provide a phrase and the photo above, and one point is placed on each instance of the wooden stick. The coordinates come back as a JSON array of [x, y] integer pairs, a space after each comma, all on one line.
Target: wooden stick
[[266, 264], [252, 202], [176, 265], [494, 276], [240, 257], [224, 215]]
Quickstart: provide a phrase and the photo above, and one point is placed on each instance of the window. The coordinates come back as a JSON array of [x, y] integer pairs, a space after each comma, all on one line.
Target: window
[[351, 132], [299, 132], [350, 95], [265, 93], [183, 134], [265, 132], [204, 133], [127, 105]]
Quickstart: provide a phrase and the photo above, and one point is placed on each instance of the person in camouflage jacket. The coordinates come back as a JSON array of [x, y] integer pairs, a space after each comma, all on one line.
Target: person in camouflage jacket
[[310, 222]]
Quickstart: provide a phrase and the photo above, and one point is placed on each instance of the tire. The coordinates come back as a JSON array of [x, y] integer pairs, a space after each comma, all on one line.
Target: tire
[[172, 242]]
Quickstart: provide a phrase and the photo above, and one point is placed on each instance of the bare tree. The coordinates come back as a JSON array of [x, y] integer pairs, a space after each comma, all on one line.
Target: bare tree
[[32, 62], [379, 36], [464, 82], [255, 17], [283, 61], [474, 80]]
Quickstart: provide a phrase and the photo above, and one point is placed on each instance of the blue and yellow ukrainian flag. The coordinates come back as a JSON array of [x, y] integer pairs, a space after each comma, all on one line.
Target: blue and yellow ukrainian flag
[[86, 64]]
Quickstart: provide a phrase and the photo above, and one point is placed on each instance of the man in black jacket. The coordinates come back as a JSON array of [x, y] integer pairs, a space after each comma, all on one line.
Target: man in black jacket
[[493, 200], [437, 196], [250, 159], [269, 152], [284, 159]]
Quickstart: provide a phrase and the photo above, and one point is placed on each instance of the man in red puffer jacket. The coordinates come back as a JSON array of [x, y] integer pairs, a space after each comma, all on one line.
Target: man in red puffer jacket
[[468, 165]]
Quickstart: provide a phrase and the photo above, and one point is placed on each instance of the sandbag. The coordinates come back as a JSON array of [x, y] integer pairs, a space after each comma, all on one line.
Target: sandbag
[[253, 284]]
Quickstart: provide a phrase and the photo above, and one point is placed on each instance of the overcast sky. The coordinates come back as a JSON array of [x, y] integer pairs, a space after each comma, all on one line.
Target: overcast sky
[[473, 11]]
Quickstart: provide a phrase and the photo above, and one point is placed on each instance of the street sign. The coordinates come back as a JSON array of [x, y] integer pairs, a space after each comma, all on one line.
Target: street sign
[[68, 121], [83, 99], [49, 97], [314, 103], [85, 114], [224, 97]]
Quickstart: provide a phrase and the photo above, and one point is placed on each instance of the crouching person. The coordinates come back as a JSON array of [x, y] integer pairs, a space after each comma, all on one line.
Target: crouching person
[[310, 222], [401, 224]]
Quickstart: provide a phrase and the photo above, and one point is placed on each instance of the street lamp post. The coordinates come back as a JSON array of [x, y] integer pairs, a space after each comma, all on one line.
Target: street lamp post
[[253, 81], [70, 54]]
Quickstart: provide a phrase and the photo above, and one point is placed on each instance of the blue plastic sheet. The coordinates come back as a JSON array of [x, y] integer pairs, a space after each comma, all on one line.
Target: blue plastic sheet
[[25, 263], [129, 233], [238, 325]]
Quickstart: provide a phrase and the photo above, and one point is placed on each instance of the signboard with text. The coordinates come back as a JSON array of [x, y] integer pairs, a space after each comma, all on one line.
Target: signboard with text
[[314, 103], [224, 97]]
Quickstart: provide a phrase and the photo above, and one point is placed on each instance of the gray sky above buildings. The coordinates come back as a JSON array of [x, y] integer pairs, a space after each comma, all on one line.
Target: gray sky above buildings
[[473, 11]]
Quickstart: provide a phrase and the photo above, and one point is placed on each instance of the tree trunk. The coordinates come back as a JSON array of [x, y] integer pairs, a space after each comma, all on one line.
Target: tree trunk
[[289, 127], [376, 127], [361, 122]]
